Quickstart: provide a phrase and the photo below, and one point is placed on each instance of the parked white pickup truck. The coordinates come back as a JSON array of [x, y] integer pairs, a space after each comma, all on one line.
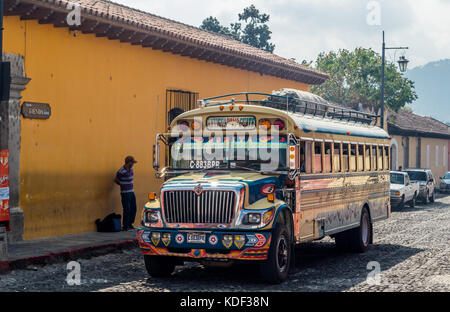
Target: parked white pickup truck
[[403, 190]]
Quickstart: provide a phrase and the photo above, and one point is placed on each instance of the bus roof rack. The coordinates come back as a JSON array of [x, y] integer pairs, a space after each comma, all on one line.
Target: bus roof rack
[[294, 101]]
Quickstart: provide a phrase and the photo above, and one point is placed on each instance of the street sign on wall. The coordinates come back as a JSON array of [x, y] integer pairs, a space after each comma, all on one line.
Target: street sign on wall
[[36, 110]]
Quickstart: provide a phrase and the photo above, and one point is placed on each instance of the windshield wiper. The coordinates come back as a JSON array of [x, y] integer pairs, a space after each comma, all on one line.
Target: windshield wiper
[[245, 168]]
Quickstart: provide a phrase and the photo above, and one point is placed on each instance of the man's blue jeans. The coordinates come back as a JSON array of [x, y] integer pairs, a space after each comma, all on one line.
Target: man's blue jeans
[[129, 209]]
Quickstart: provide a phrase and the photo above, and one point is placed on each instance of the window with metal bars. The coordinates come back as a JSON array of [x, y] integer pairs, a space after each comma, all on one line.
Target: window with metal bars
[[178, 102]]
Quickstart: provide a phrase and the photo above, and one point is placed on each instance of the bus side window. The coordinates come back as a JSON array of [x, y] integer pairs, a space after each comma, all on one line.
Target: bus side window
[[345, 153], [317, 157], [327, 157], [352, 157], [302, 157], [308, 157], [360, 156], [380, 157], [367, 158], [337, 157], [374, 158], [386, 158]]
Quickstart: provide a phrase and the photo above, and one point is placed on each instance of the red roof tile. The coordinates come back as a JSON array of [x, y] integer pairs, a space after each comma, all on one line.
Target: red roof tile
[[410, 122], [143, 21]]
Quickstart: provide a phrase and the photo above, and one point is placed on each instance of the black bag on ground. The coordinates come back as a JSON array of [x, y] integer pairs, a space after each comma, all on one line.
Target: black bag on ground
[[112, 223]]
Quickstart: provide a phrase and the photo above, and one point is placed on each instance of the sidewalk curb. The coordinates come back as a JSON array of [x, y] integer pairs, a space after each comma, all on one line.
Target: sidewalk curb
[[68, 255]]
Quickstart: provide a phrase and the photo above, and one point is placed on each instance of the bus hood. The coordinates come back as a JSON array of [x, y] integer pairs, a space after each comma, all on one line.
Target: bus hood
[[253, 181]]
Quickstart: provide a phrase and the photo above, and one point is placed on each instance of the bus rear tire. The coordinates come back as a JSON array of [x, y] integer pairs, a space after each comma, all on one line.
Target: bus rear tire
[[357, 239], [275, 269], [159, 266], [342, 241], [361, 236]]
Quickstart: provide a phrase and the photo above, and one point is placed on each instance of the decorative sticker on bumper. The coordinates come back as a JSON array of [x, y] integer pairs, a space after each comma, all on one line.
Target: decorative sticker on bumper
[[179, 238], [213, 240]]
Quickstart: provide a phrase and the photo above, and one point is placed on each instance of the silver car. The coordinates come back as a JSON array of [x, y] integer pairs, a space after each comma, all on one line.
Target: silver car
[[427, 192], [444, 186]]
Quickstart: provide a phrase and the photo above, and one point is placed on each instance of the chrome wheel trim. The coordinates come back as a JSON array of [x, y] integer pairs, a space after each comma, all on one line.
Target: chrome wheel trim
[[365, 230]]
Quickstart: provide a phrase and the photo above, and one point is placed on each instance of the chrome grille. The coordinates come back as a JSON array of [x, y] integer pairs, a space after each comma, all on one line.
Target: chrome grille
[[211, 206]]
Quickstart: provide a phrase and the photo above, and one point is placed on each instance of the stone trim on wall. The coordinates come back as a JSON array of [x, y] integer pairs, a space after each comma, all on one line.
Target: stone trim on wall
[[10, 140]]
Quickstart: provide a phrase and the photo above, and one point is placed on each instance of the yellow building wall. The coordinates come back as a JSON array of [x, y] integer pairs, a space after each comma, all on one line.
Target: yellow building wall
[[108, 101], [438, 170], [413, 143]]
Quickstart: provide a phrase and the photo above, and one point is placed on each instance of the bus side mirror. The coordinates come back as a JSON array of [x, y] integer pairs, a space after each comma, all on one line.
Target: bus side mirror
[[156, 156]]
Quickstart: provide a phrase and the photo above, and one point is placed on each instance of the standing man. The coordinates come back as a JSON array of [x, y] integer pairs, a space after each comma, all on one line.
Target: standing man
[[124, 178]]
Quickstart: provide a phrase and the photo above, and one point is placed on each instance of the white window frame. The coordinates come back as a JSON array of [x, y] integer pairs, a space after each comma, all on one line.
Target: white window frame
[[444, 156], [437, 156]]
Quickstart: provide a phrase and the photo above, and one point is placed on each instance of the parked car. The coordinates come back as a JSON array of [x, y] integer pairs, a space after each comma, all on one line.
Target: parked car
[[427, 184], [403, 190], [444, 186]]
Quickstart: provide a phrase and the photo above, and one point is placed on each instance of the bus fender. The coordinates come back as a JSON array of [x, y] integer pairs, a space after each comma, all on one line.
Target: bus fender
[[284, 216]]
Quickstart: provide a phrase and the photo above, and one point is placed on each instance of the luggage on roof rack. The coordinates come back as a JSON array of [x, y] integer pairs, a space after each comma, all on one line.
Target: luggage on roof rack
[[294, 101]]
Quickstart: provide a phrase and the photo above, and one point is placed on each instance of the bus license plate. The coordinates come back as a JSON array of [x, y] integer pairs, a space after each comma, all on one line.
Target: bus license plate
[[196, 238]]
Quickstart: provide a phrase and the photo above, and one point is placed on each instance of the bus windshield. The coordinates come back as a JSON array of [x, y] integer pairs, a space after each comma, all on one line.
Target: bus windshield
[[254, 152]]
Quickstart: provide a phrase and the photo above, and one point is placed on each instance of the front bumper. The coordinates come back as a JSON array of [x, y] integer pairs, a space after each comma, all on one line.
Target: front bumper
[[254, 246]]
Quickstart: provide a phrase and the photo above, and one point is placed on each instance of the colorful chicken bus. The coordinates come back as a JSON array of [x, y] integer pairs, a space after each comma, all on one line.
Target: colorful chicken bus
[[249, 176]]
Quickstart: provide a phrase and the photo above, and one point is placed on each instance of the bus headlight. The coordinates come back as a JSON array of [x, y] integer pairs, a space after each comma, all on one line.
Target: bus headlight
[[252, 218], [258, 218], [151, 217]]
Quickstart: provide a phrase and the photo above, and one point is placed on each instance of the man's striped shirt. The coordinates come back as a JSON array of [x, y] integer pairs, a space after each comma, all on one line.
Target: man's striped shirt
[[125, 179]]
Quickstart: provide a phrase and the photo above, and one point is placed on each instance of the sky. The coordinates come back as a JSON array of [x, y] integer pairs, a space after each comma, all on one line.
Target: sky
[[301, 29]]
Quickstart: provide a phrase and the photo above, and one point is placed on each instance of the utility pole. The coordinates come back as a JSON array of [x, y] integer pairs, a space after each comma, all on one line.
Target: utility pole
[[402, 63]]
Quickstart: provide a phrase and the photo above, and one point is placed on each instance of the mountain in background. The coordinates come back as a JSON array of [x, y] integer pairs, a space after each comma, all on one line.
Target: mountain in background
[[432, 83]]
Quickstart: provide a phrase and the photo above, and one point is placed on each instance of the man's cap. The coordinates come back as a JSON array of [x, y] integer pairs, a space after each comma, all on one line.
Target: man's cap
[[130, 159]]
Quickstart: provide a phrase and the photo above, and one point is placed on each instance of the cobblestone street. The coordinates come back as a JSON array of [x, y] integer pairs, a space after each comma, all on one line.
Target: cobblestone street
[[412, 249]]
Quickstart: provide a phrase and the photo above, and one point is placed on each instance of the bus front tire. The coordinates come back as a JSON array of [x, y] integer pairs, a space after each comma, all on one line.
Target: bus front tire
[[275, 269], [159, 266]]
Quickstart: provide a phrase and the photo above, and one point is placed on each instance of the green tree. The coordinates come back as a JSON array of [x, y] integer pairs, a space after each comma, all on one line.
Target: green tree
[[255, 31], [213, 24], [355, 77]]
